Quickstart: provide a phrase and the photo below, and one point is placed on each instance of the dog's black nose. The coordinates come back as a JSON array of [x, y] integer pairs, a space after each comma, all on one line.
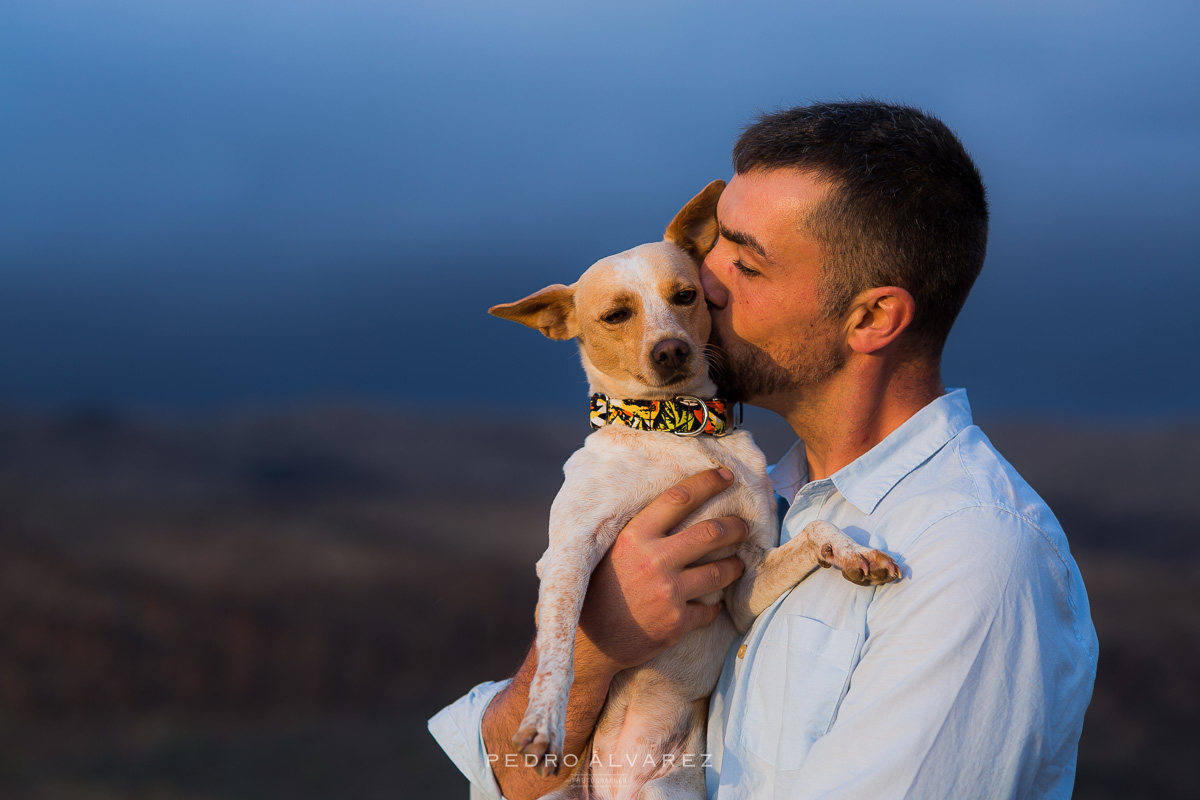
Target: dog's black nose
[[670, 354]]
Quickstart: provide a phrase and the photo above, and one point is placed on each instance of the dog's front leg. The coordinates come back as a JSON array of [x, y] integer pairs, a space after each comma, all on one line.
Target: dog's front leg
[[819, 544], [565, 570]]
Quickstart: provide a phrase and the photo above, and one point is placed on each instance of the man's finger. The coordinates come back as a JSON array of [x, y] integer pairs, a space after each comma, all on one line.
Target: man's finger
[[671, 507], [696, 541], [701, 579], [697, 615]]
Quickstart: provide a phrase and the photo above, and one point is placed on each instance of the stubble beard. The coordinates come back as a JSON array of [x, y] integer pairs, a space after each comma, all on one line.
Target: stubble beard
[[749, 374]]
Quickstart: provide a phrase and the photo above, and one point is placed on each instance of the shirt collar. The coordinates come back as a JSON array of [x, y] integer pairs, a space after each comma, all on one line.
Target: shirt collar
[[789, 473], [866, 480]]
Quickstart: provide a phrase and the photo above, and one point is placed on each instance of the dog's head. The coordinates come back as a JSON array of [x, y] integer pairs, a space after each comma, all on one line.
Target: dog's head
[[640, 315]]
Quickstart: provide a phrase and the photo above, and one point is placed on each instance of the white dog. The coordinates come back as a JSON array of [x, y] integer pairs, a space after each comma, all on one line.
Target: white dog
[[642, 327]]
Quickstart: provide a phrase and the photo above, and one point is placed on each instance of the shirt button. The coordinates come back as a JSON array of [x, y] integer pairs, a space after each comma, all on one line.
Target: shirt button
[[741, 651]]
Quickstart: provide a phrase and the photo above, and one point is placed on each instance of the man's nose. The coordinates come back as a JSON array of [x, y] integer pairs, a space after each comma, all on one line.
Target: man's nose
[[714, 291]]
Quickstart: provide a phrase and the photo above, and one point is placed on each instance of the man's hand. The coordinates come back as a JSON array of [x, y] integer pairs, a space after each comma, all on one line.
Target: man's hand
[[641, 599]]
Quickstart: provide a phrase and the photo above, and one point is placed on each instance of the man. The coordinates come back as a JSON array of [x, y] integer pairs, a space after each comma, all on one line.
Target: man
[[850, 236]]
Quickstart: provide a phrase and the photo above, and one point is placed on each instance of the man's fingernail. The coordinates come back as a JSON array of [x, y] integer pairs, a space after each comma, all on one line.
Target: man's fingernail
[[725, 473]]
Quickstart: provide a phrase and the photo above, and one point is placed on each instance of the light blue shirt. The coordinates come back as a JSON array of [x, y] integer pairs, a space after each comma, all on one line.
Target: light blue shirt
[[968, 678]]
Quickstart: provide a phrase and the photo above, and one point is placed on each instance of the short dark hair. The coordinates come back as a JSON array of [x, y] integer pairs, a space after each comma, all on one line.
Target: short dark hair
[[907, 206]]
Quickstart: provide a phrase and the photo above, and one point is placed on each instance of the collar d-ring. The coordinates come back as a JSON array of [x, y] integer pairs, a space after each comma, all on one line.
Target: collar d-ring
[[688, 400]]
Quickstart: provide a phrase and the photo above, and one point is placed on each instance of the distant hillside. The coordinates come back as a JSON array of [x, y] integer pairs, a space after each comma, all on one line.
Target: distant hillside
[[260, 582]]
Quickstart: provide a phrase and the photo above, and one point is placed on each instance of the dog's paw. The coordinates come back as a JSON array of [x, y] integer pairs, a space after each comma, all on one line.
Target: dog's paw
[[540, 738], [859, 565]]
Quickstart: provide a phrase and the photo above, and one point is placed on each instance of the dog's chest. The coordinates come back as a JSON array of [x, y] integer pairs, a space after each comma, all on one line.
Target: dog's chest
[[626, 469]]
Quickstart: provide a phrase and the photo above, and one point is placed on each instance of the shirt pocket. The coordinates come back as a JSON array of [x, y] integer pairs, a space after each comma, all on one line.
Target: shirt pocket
[[798, 676]]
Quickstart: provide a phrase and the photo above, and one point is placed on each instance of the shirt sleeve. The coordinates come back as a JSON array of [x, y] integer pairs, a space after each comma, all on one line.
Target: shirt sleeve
[[458, 729], [974, 675]]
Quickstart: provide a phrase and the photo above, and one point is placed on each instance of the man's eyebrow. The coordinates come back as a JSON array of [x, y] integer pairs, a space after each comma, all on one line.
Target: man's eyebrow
[[745, 240]]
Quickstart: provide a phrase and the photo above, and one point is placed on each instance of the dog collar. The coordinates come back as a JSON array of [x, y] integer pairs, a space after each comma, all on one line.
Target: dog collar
[[683, 416]]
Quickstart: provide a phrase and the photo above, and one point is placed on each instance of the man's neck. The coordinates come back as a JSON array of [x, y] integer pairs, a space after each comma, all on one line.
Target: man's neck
[[856, 409]]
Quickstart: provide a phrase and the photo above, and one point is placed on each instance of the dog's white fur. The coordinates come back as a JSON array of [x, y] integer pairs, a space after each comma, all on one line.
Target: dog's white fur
[[620, 310]]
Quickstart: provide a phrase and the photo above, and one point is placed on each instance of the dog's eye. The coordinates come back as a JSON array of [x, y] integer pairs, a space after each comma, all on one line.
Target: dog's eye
[[613, 317], [684, 298]]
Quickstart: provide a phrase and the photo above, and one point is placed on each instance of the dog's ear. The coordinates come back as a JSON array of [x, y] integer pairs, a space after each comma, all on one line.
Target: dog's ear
[[551, 311], [694, 228]]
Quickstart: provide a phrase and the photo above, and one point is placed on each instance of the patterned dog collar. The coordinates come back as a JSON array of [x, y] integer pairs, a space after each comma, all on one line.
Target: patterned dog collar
[[683, 416]]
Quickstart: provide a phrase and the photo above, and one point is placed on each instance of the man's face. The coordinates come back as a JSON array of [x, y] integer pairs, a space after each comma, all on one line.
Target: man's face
[[761, 282]]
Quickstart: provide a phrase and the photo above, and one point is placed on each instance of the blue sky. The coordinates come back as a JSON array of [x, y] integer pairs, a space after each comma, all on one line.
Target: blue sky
[[216, 203]]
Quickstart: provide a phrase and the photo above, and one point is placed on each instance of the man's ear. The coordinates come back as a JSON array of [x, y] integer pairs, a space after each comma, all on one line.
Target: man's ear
[[551, 311], [694, 228], [877, 316]]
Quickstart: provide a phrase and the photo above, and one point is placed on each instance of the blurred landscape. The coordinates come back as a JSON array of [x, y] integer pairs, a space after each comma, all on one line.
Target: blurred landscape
[[271, 602], [220, 211]]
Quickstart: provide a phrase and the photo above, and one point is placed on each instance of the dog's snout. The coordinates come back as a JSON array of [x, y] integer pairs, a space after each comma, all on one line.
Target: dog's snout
[[670, 354]]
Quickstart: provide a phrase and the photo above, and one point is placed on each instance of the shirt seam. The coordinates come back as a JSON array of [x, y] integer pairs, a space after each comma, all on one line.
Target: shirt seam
[[1012, 512]]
